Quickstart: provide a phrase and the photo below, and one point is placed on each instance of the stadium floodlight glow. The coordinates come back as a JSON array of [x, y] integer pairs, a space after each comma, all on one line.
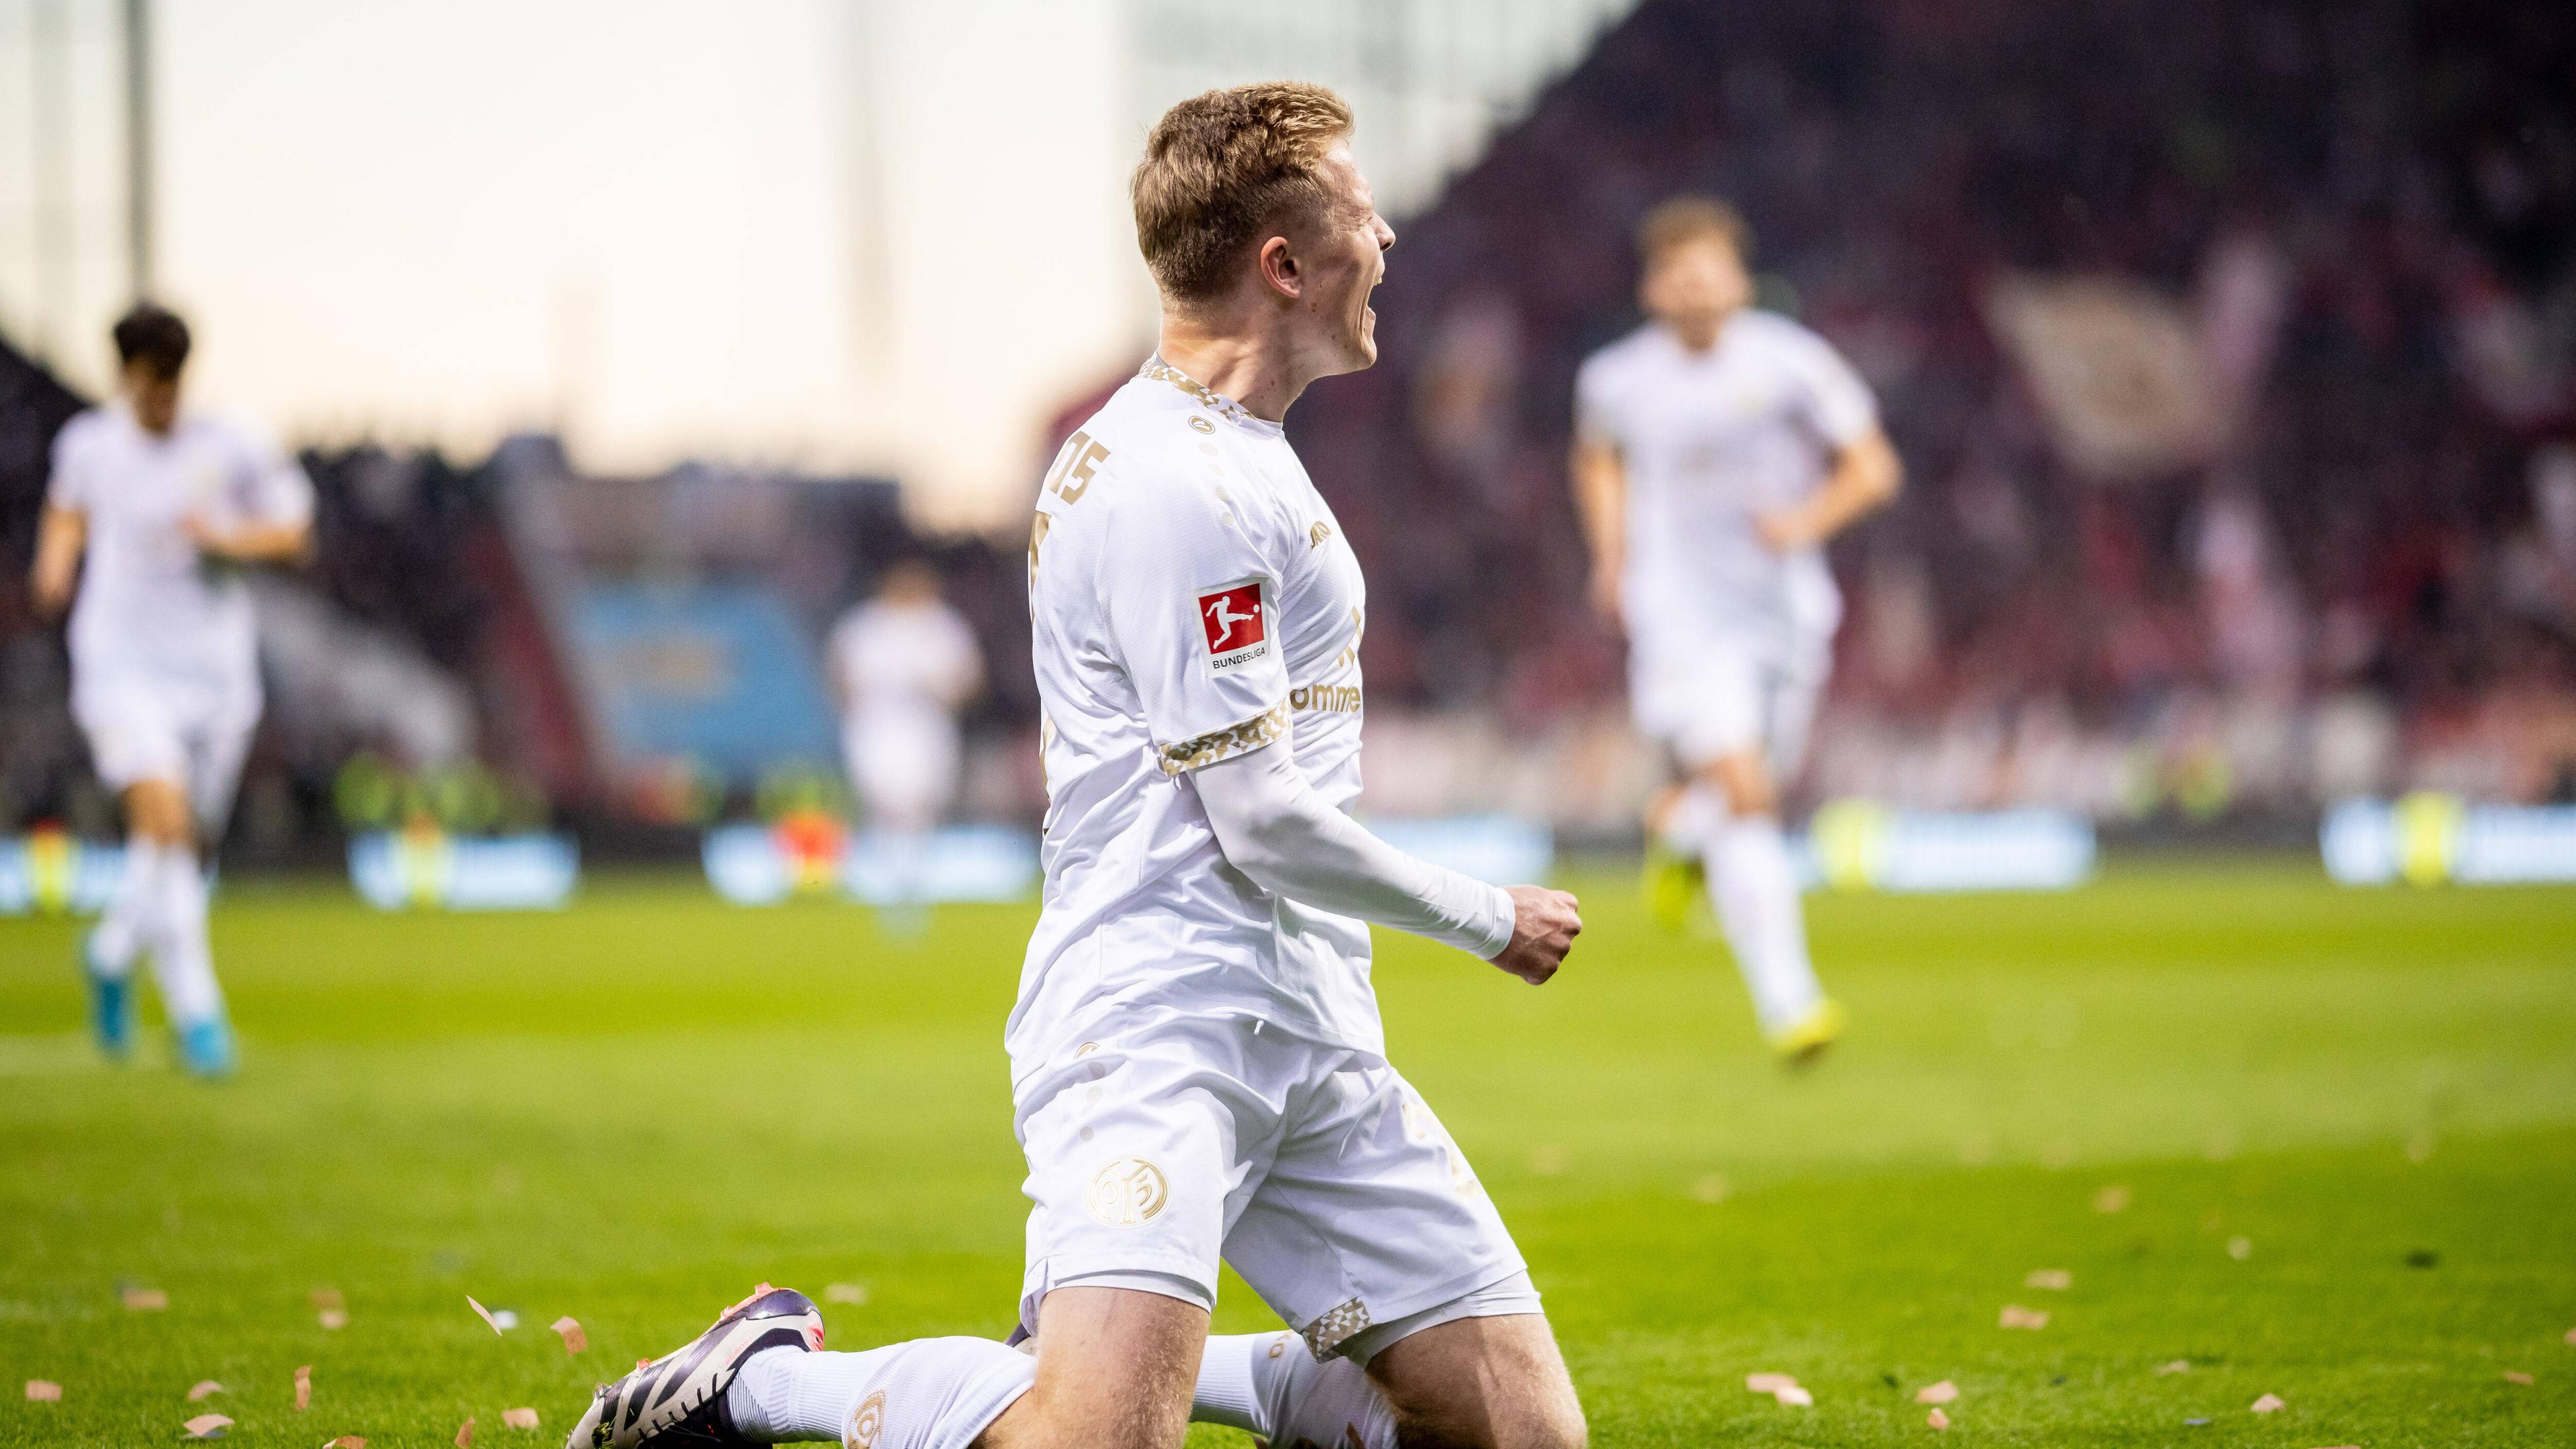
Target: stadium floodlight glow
[[2430, 838]]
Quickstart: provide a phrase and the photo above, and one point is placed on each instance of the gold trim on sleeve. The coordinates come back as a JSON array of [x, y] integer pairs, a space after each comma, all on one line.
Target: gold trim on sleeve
[[1267, 727]]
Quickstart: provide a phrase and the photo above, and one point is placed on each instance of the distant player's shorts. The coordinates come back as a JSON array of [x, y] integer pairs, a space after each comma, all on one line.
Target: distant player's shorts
[[1712, 694], [182, 731], [1317, 1172]]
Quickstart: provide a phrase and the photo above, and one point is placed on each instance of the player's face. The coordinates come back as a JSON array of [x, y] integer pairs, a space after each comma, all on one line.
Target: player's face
[[1694, 286], [154, 398], [1348, 260]]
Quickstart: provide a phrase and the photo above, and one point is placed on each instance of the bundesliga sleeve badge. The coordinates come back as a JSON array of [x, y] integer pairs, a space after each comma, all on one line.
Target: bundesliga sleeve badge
[[1235, 621]]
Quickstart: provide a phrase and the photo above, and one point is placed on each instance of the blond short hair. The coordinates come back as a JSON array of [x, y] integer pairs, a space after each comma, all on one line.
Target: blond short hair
[[1685, 219], [1222, 166]]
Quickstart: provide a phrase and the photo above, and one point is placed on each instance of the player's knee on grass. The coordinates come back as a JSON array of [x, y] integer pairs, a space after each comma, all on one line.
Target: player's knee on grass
[[1481, 1383]]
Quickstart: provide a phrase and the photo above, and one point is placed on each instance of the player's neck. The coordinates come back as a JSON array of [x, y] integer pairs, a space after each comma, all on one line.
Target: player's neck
[[1700, 335], [1252, 364]]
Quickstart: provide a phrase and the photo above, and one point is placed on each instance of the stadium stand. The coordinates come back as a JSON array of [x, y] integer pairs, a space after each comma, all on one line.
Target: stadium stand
[[2363, 214]]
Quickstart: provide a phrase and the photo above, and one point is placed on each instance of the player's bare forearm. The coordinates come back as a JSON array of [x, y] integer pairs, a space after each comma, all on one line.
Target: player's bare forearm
[[1544, 925], [60, 538], [1867, 476], [257, 543], [1601, 503]]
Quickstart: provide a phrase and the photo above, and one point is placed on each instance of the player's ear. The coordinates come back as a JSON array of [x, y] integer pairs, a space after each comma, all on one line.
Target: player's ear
[[1279, 268]]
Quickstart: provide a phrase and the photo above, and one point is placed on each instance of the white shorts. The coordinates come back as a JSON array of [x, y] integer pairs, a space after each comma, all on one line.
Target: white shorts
[[192, 735], [1316, 1171], [1721, 693]]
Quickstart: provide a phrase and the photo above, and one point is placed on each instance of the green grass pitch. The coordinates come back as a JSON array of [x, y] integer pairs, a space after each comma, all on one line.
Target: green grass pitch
[[2345, 1124]]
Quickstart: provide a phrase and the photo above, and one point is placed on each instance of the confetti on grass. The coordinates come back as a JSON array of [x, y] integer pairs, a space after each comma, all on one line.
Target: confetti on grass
[[1941, 1393], [2268, 1403], [519, 1418], [346, 1441], [2056, 1280], [2517, 1376], [2571, 1337], [846, 1293], [333, 1319], [1794, 1397], [326, 1299], [2240, 1248], [206, 1426], [303, 1388], [574, 1339], [2112, 1199], [144, 1300], [1768, 1383], [1937, 1419], [204, 1389], [2016, 1316], [465, 1433], [44, 1391], [483, 1313], [2178, 1366]]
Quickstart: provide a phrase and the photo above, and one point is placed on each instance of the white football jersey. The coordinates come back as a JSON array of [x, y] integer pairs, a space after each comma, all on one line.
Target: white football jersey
[[150, 606], [905, 658], [1191, 598], [1709, 440]]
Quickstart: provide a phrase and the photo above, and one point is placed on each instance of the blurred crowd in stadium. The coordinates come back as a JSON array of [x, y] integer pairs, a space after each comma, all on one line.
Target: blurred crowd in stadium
[[2233, 361]]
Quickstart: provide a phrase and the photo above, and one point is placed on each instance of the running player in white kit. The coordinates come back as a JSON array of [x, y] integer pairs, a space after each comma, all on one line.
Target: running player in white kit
[[1716, 449], [1198, 1071], [166, 507], [903, 664]]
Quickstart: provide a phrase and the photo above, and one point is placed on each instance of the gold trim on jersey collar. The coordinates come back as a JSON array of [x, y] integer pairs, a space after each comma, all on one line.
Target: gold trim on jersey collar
[[1157, 370]]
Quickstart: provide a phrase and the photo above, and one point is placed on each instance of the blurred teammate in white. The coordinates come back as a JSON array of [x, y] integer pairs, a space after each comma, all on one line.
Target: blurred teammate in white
[[1716, 449], [166, 506], [1198, 1071], [903, 664]]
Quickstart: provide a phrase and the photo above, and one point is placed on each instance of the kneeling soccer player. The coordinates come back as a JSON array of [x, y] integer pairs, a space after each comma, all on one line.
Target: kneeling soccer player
[[167, 507], [1198, 1068]]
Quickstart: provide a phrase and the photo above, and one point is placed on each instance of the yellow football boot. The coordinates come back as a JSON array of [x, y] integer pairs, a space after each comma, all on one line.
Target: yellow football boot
[[1801, 1042], [1673, 884]]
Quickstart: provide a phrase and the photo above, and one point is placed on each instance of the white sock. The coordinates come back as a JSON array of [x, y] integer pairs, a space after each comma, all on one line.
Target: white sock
[[1267, 1385], [128, 920], [1756, 895], [929, 1393], [183, 959]]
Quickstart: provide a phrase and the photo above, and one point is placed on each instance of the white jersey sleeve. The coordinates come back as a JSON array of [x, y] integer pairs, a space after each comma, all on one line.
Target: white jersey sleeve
[[1596, 401], [1831, 396], [961, 666], [273, 487], [1189, 579], [73, 485]]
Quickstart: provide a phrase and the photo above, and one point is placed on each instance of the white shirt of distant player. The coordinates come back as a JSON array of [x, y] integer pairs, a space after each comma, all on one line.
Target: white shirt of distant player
[[151, 608], [1709, 440], [905, 659], [904, 666], [1191, 599]]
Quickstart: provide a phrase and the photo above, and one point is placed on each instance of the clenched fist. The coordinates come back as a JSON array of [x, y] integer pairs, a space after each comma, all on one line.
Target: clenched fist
[[1544, 925]]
